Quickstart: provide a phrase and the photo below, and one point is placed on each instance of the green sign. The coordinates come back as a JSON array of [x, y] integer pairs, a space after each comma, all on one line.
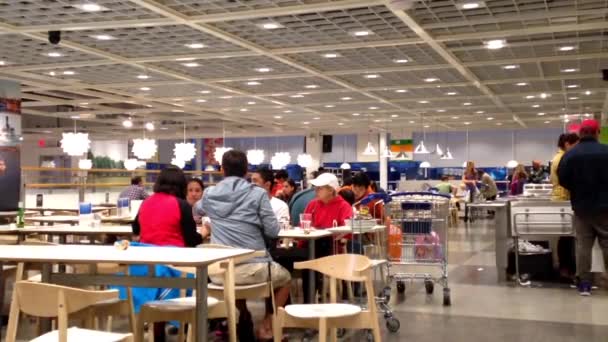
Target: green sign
[[604, 135]]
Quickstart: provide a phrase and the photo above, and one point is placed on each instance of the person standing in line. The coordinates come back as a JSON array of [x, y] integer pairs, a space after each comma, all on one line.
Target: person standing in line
[[135, 191], [538, 173], [520, 177], [583, 171], [488, 190]]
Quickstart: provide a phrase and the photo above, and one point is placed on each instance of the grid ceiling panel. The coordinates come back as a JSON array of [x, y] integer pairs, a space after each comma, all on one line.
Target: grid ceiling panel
[[337, 98], [379, 57], [370, 107], [446, 102], [18, 50], [106, 74], [574, 67], [152, 41], [230, 67], [172, 91], [405, 78], [544, 45], [498, 72], [43, 12], [428, 93], [325, 28], [198, 7], [529, 87], [283, 85]]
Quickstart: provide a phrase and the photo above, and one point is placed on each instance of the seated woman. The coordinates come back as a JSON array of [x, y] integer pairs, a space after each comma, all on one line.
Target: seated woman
[[194, 194]]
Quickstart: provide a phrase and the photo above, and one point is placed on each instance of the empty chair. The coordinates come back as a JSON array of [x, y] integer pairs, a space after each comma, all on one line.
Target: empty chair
[[49, 301], [331, 316]]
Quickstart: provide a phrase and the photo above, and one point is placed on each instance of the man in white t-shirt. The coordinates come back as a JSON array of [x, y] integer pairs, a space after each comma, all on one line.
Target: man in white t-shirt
[[265, 179]]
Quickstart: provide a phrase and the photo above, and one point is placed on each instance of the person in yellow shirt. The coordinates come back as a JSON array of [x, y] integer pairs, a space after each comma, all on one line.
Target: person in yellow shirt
[[565, 142]]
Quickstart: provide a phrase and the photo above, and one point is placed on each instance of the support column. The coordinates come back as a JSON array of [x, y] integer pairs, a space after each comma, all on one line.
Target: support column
[[314, 148], [383, 161], [198, 162], [10, 145]]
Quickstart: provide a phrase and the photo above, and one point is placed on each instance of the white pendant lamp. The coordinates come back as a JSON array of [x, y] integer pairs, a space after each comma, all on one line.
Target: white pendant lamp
[[511, 164], [85, 164], [279, 160], [447, 155], [184, 151], [370, 150], [144, 148], [345, 166], [131, 164], [304, 160], [438, 150], [178, 162], [387, 153], [255, 157], [421, 149], [425, 165], [75, 144]]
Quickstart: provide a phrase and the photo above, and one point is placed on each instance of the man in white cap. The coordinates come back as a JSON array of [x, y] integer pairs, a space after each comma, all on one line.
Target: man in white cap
[[328, 207]]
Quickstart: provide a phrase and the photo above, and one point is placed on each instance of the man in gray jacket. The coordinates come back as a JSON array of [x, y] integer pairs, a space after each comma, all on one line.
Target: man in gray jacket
[[241, 216]]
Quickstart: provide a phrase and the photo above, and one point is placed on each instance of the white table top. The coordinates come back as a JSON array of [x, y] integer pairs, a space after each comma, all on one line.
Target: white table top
[[72, 209], [91, 254], [53, 219], [349, 230], [298, 233], [67, 230]]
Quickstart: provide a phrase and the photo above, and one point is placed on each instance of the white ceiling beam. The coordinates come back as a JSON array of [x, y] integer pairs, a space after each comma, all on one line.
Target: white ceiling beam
[[443, 52]]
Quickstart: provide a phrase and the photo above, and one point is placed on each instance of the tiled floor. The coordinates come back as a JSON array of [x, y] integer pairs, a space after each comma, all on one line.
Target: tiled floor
[[485, 310]]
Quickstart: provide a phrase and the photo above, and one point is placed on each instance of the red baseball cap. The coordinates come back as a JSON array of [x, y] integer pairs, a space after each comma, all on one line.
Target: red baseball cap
[[590, 124]]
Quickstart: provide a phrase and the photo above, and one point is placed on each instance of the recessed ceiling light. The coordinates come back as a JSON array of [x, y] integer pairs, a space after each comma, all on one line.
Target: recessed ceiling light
[[467, 123], [536, 106], [361, 33], [305, 122], [54, 54], [329, 106], [530, 97], [431, 79], [346, 98], [149, 106], [177, 110], [288, 111], [495, 44], [90, 7], [566, 48], [340, 123], [331, 55], [195, 45], [471, 5], [570, 70], [455, 117], [311, 86], [185, 59], [499, 124], [127, 123], [277, 117], [244, 110], [466, 104], [372, 76], [190, 65], [423, 101], [144, 88], [164, 128], [395, 116], [201, 101], [510, 67], [103, 37], [75, 117], [541, 114], [573, 98], [205, 91], [253, 83], [588, 92], [440, 110], [83, 104], [426, 126], [271, 25], [572, 86], [316, 118], [547, 122], [356, 114], [226, 97], [521, 84], [297, 96], [452, 93], [263, 69], [2, 62], [489, 118], [401, 91], [480, 112], [373, 108], [143, 77], [251, 102], [150, 126], [400, 61], [52, 73]]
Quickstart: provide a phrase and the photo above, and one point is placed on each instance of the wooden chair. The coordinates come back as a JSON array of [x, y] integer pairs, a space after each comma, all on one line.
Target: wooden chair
[[46, 300], [183, 309], [331, 316]]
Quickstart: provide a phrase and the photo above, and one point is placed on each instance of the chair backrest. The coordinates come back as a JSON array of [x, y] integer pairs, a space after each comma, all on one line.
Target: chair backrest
[[349, 267]]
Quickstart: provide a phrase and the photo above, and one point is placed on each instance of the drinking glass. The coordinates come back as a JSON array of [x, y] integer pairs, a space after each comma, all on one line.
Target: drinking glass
[[305, 222]]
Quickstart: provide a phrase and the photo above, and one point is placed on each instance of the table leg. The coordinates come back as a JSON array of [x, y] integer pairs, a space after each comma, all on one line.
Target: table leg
[[45, 323], [2, 288], [311, 275], [201, 304]]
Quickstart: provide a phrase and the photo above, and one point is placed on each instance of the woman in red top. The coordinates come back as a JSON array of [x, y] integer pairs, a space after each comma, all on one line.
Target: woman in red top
[[165, 218], [328, 207]]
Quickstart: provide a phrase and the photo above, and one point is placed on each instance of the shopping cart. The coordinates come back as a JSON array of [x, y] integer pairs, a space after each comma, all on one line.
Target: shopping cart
[[417, 225]]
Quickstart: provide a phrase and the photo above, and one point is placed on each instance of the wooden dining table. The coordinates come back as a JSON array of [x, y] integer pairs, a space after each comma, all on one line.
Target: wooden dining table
[[198, 258]]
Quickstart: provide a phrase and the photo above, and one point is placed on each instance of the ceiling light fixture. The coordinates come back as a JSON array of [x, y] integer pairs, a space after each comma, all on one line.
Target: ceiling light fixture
[[471, 5], [185, 59], [489, 118], [521, 84], [263, 69], [495, 44], [253, 83], [270, 25], [279, 160], [541, 114], [346, 98], [195, 45], [423, 102], [536, 106], [361, 33], [467, 123], [452, 93], [530, 97], [2, 63], [145, 88], [331, 55], [400, 61], [356, 114], [479, 112], [311, 86], [571, 86], [401, 91], [127, 123], [566, 48], [510, 67], [570, 70], [54, 54], [201, 101], [431, 80], [143, 77], [304, 160], [75, 144], [103, 37], [588, 92], [467, 104], [149, 126], [372, 76], [90, 7]]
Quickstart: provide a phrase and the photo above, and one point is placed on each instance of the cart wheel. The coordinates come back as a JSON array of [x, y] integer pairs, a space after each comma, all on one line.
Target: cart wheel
[[446, 297], [386, 294], [370, 336], [393, 324], [401, 287], [429, 286], [341, 332]]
